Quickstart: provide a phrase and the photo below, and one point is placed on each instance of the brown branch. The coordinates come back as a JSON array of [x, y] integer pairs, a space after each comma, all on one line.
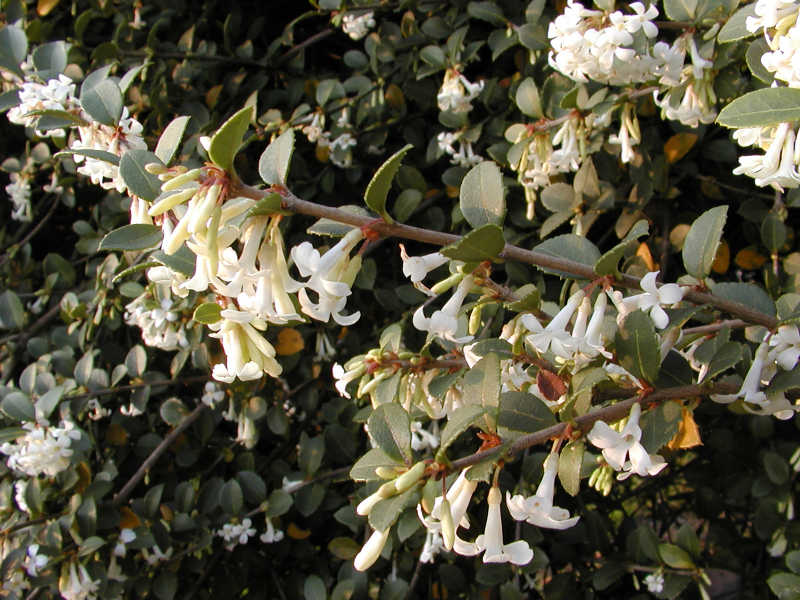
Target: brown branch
[[612, 413], [128, 488], [715, 327], [319, 36], [531, 257]]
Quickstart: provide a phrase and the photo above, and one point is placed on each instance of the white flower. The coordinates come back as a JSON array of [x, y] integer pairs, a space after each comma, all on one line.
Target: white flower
[[457, 92], [785, 345], [271, 535], [416, 268], [35, 561], [56, 94], [538, 509], [247, 353], [777, 166], [19, 192], [126, 536], [421, 438], [43, 450], [236, 533], [212, 394], [433, 545], [157, 556], [490, 542], [78, 584], [343, 377], [653, 298], [444, 323], [622, 450], [751, 386], [554, 337], [654, 582], [357, 26]]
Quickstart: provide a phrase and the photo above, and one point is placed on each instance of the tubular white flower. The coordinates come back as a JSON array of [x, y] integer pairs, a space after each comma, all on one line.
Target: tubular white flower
[[653, 298], [416, 268], [751, 386], [617, 446], [554, 337], [785, 347], [538, 509], [490, 542], [77, 584], [444, 322]]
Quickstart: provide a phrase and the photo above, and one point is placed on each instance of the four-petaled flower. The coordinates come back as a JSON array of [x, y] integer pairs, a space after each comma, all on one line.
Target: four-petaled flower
[[619, 446], [538, 509]]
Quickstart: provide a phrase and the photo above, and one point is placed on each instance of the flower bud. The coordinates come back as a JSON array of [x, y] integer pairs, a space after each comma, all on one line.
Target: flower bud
[[409, 478], [371, 550], [446, 520], [385, 472], [176, 182], [475, 319], [155, 168]]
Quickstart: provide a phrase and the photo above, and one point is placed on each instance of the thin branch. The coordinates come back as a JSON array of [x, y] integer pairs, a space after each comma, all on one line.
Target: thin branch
[[531, 257], [26, 524], [612, 413], [715, 327], [319, 36], [232, 60], [128, 488], [136, 386], [15, 246]]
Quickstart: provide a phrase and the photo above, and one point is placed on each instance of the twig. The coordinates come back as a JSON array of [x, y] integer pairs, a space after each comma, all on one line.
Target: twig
[[576, 269], [135, 386], [233, 60], [7, 255], [714, 327], [20, 526], [321, 35], [414, 579], [156, 454], [609, 414]]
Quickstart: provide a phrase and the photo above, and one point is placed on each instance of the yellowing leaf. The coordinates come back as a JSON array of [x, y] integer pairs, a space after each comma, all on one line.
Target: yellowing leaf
[[678, 235], [394, 96], [166, 512], [116, 435], [128, 519], [84, 476], [678, 145], [722, 260], [43, 7], [289, 342], [212, 96], [749, 259], [294, 532], [688, 435], [322, 153], [451, 191], [643, 252]]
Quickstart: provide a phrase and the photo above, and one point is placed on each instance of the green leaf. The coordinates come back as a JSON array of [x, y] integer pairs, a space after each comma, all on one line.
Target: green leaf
[[172, 411], [269, 205], [378, 188], [364, 469], [727, 356], [481, 383], [90, 545], [91, 153], [228, 139], [487, 11], [637, 346], [13, 48], [527, 98], [608, 264], [521, 411], [132, 169], [314, 588], [761, 108], [139, 236], [18, 407], [569, 467], [278, 503], [434, 56], [734, 28], [51, 57], [675, 556], [390, 426], [530, 298], [776, 467], [786, 586], [484, 243], [335, 228], [702, 241], [659, 425], [207, 313], [48, 401], [482, 197], [773, 232], [310, 452], [231, 498], [755, 51], [273, 166], [12, 313], [102, 99], [572, 247], [458, 422], [680, 10], [170, 139], [748, 294], [387, 511], [344, 548], [182, 261], [165, 586]]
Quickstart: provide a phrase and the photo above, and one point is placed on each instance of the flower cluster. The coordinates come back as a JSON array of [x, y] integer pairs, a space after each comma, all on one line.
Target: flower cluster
[[457, 92], [55, 94], [43, 450], [358, 25], [236, 533]]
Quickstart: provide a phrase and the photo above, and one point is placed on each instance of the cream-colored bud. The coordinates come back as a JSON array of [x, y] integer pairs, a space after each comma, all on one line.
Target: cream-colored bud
[[155, 168], [371, 550], [446, 520], [171, 201], [385, 472], [367, 504], [409, 478], [176, 182], [475, 319]]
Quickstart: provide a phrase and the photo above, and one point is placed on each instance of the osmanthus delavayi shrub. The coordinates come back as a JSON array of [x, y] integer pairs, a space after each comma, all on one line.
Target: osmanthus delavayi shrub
[[491, 299]]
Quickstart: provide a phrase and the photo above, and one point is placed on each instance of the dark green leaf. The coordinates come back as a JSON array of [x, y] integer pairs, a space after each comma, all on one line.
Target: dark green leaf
[[273, 166], [482, 197], [170, 139], [637, 346], [390, 426], [761, 108], [572, 247], [702, 241], [746, 293], [139, 236], [102, 99], [521, 411], [140, 183], [207, 313], [228, 139], [484, 243], [378, 188], [458, 422]]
